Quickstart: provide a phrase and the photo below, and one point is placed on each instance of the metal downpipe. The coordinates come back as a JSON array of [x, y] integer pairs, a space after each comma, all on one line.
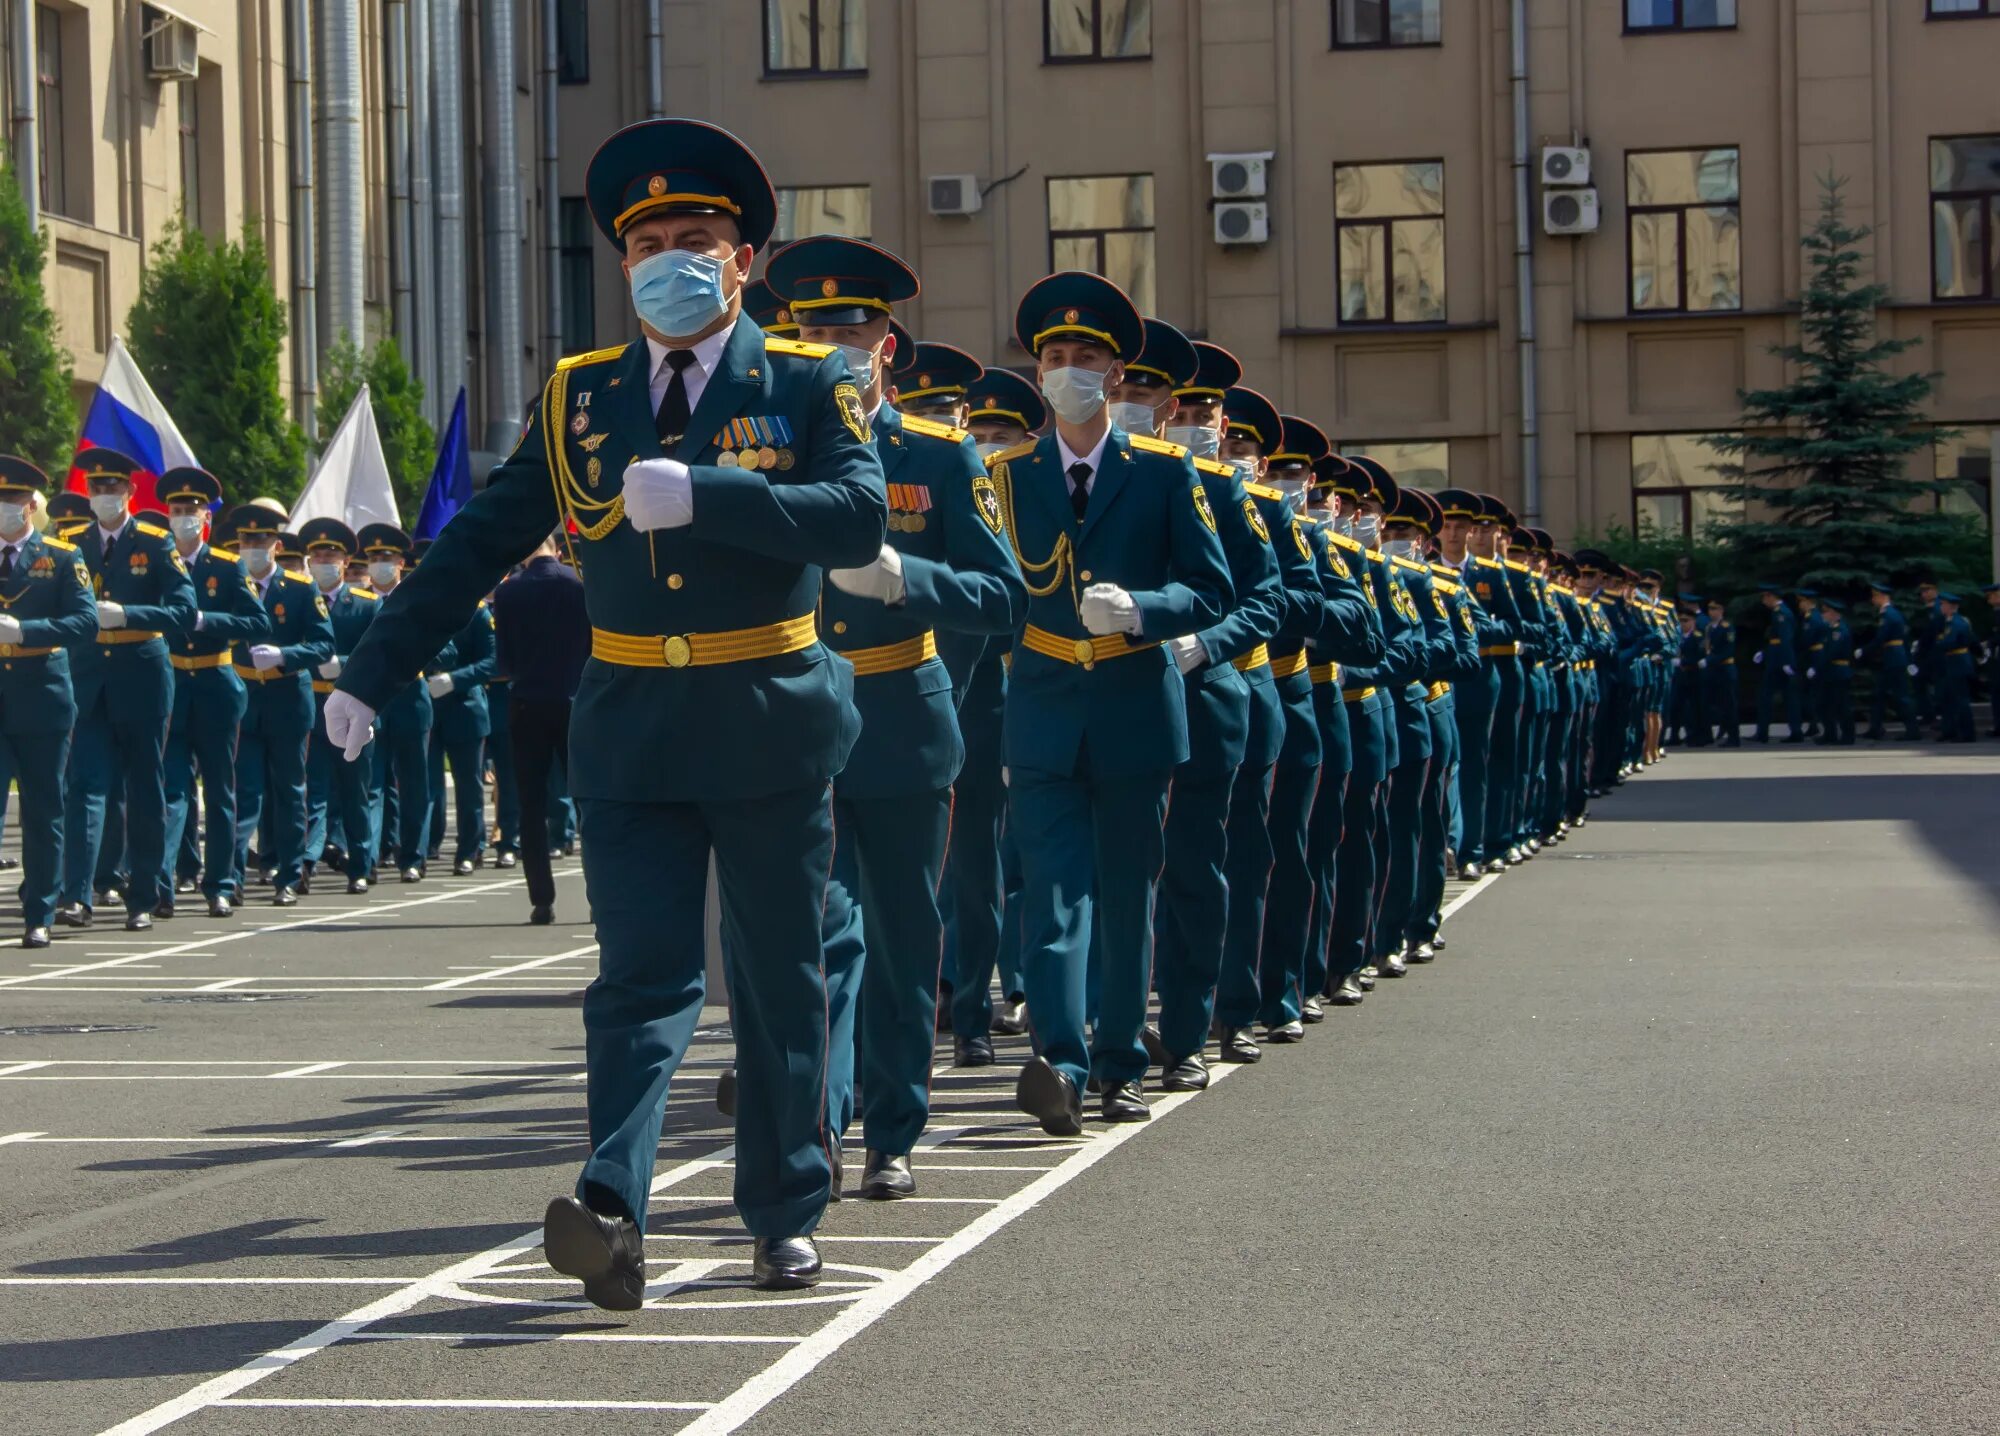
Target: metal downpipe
[[1524, 276], [342, 184], [501, 180], [448, 155], [305, 260]]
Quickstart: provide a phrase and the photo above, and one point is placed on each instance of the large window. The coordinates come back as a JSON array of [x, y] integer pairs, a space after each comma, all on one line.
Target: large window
[[1388, 223], [1678, 485], [1966, 463], [49, 107], [1680, 14], [579, 284], [841, 209], [1684, 239], [1369, 24], [1425, 464], [572, 42], [1961, 9], [1104, 223], [1965, 207], [1097, 29], [815, 37]]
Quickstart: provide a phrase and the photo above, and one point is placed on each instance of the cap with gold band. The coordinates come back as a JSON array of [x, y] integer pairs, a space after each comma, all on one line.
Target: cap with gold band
[[329, 533], [1075, 304], [250, 520], [1413, 509], [831, 279], [189, 485], [1247, 414], [1382, 490], [769, 312], [940, 373], [105, 464], [1335, 474], [1303, 442], [1004, 395], [1460, 504], [1168, 357], [383, 539], [679, 166], [18, 476], [1216, 373]]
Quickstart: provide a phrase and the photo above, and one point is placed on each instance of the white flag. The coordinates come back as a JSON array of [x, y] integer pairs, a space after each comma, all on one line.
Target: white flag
[[352, 481]]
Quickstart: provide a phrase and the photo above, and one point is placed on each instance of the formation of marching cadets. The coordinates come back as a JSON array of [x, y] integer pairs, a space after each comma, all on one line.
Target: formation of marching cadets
[[160, 690]]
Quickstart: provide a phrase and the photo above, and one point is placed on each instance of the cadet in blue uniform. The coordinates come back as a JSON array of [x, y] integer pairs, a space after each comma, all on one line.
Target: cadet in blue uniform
[[400, 793], [1718, 687], [946, 564], [124, 690], [1836, 680], [209, 699], [1807, 680], [1116, 537], [338, 795], [712, 473], [1687, 726], [1474, 696], [45, 609], [1461, 664], [1953, 667], [933, 381], [1775, 659], [460, 725], [1888, 649], [1991, 648], [278, 714]]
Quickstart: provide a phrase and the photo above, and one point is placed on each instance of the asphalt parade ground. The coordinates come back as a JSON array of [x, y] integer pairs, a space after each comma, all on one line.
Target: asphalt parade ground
[[1691, 1128]]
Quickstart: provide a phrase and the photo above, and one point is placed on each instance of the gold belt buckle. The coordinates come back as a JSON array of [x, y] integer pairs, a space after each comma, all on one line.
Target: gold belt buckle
[[678, 651], [1086, 653]]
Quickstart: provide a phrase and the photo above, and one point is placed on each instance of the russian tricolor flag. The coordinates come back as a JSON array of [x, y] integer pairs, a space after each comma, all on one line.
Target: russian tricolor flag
[[128, 416]]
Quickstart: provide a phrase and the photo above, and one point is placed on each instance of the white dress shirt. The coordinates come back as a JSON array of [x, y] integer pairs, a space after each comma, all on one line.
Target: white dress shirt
[[707, 354], [1095, 458]]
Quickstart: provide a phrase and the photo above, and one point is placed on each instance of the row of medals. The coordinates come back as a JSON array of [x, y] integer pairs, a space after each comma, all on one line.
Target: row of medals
[[764, 458]]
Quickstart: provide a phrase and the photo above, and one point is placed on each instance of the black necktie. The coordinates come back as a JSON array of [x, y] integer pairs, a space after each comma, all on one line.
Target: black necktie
[[675, 412], [1079, 497], [7, 563]]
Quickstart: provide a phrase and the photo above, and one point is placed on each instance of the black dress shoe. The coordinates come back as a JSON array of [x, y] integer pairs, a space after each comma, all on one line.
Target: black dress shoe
[[1050, 1097], [1393, 966], [184, 886], [1423, 952], [725, 1092], [1365, 979], [1010, 1018], [505, 860], [285, 897], [413, 875], [1348, 994], [607, 1254], [306, 881], [885, 1178], [139, 922], [971, 1051], [1469, 873], [73, 915], [1312, 1010], [219, 906], [35, 937], [1239, 1047], [568, 850], [1285, 1032], [1123, 1102], [1093, 1086], [462, 868], [1188, 1074], [1439, 943], [784, 1263], [357, 886], [164, 909], [1156, 1050], [542, 914]]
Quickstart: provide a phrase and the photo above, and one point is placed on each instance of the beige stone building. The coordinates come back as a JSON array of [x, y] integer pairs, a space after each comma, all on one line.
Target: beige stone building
[[1355, 245]]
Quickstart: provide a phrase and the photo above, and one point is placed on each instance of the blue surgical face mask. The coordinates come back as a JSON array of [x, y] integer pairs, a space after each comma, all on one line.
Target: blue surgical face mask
[[1343, 524], [861, 362], [256, 561], [13, 518], [1075, 394], [988, 450], [185, 526], [678, 292], [1400, 548], [1294, 491], [1365, 528], [1134, 418], [1198, 439]]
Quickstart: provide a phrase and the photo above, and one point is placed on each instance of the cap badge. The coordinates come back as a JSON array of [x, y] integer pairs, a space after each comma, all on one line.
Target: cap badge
[[657, 185], [828, 288]]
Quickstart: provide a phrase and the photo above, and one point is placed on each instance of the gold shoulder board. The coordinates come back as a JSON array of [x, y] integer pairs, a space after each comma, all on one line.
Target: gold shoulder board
[[59, 544], [1146, 443], [951, 434], [291, 577], [1351, 545], [1263, 491], [153, 529], [1412, 567], [774, 345], [1517, 567], [1007, 455], [596, 356], [364, 593], [221, 553], [1212, 466]]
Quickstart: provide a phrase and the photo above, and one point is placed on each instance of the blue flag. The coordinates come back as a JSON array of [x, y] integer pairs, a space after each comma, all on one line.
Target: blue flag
[[451, 481]]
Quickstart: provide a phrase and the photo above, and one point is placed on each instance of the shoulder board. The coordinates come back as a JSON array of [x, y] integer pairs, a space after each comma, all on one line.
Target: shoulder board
[[1014, 453], [58, 543], [1147, 444], [153, 529], [1351, 545], [950, 433], [74, 529], [226, 555], [291, 577], [596, 356], [1486, 562], [1443, 585], [1565, 592], [775, 345], [1264, 491], [365, 594], [1444, 570], [1412, 567], [1373, 555], [1517, 567], [1213, 466]]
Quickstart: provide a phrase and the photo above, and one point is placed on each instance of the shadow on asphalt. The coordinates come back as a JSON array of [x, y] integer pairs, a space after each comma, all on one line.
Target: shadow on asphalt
[[284, 1238], [169, 1351]]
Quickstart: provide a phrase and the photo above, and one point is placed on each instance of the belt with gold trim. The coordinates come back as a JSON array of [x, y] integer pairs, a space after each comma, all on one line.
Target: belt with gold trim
[[1290, 664], [1500, 650], [126, 635], [1255, 658], [250, 673], [1436, 691], [191, 663], [892, 657], [702, 650], [1323, 673], [1356, 695], [15, 650], [1084, 652]]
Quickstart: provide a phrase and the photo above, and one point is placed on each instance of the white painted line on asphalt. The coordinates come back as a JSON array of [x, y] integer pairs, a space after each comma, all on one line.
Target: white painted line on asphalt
[[636, 1337], [21, 1067], [308, 1070], [900, 1201], [9, 1137], [406, 1136], [530, 965], [68, 1281], [75, 985], [367, 1138], [466, 1404], [1467, 896], [224, 984]]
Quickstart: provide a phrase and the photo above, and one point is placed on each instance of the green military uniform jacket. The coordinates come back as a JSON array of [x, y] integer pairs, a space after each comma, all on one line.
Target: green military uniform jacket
[[49, 594]]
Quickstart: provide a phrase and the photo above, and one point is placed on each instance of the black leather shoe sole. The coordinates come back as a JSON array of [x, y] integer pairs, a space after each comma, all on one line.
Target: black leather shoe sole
[[1050, 1098], [573, 1243]]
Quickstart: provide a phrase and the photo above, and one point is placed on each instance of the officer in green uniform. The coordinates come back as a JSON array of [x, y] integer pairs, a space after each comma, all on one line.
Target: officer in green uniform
[[124, 690], [1888, 650], [400, 792], [945, 565], [1116, 537], [1775, 659], [209, 699], [461, 722], [1718, 687], [45, 610], [1463, 666], [278, 713], [934, 381], [1836, 680], [338, 794], [1808, 680], [1953, 658], [712, 473]]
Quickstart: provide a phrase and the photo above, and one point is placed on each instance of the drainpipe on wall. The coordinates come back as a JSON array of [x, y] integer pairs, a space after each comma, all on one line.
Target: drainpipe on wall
[[305, 261], [26, 153], [500, 161], [396, 40], [1524, 277], [656, 62], [448, 154], [551, 194], [342, 182], [423, 237]]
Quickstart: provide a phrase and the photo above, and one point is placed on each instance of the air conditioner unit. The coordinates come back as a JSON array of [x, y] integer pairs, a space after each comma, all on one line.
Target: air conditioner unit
[[1562, 165], [1243, 223], [955, 194], [170, 50], [1238, 176], [1570, 211]]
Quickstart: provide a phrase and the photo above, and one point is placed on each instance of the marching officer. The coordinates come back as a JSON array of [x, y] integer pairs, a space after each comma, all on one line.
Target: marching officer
[[1718, 689], [1462, 665], [1836, 714], [338, 793], [1888, 648], [1807, 695], [1116, 536], [461, 721], [932, 381], [712, 473], [1775, 660], [1953, 658], [945, 564], [45, 610], [209, 699], [124, 690], [400, 795]]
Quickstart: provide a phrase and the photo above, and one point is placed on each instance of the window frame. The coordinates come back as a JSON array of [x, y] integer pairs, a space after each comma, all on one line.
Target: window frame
[[577, 71], [1986, 11], [572, 261], [51, 137], [1387, 224], [1678, 25], [779, 192], [1679, 211], [814, 71], [1684, 493], [1334, 42], [1375, 448], [1096, 55], [1986, 486], [1990, 292], [1099, 234]]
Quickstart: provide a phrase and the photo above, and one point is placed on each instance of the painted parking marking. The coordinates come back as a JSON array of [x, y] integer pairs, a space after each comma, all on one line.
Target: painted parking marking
[[528, 966]]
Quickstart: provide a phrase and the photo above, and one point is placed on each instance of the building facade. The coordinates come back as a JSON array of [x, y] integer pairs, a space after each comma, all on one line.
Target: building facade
[[1357, 247]]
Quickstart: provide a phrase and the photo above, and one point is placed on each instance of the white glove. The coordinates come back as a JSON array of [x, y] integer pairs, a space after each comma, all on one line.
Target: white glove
[[1006, 778], [349, 724], [1107, 608], [10, 628], [1701, 663], [1758, 656], [200, 620], [882, 579], [1812, 673], [1788, 670], [330, 669], [264, 657], [439, 684], [1190, 653], [110, 615], [659, 494], [1913, 670]]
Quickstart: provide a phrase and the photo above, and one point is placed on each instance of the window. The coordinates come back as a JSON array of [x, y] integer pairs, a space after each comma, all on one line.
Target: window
[[1423, 463], [1678, 485], [1097, 29], [1388, 231], [1680, 14], [49, 107], [843, 209], [1105, 224], [1684, 242], [1965, 206], [815, 37], [190, 128], [1374, 24], [579, 284], [1966, 462], [1961, 9], [572, 42]]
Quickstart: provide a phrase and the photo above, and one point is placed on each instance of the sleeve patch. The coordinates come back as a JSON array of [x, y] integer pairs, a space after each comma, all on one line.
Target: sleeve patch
[[1256, 521], [848, 399], [986, 499], [1200, 496]]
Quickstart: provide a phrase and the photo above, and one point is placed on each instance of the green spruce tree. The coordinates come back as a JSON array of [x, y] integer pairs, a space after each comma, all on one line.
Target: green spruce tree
[[397, 397], [37, 409], [1824, 465], [209, 332]]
